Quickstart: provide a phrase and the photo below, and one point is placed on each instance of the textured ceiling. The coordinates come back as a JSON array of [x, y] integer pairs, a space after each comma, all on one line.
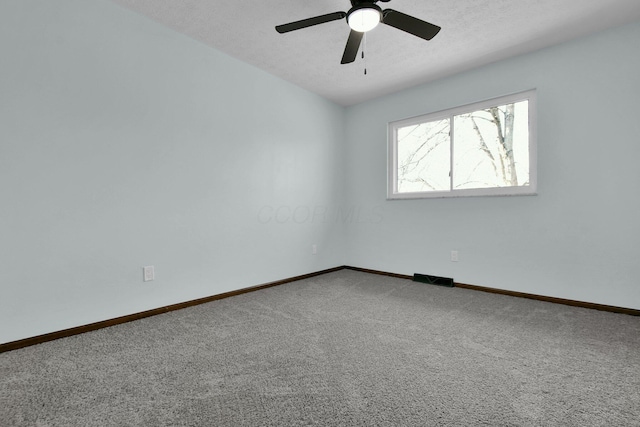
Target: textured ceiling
[[474, 32]]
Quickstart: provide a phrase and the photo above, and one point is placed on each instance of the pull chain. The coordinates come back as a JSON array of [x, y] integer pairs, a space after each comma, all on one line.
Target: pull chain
[[364, 46]]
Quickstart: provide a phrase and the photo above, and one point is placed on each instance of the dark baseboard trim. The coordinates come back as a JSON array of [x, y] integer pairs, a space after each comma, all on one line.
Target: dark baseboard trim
[[593, 306], [378, 272], [14, 345]]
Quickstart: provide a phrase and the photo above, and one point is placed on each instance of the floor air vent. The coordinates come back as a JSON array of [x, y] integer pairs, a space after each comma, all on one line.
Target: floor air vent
[[433, 280]]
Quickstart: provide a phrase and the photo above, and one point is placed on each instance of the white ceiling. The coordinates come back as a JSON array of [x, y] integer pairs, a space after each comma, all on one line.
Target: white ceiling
[[474, 32]]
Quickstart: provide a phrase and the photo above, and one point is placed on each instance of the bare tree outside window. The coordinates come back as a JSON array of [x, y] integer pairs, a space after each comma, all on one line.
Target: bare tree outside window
[[481, 148], [491, 147], [424, 157]]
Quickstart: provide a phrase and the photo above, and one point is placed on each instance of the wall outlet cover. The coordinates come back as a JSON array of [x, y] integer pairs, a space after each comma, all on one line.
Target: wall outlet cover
[[148, 273]]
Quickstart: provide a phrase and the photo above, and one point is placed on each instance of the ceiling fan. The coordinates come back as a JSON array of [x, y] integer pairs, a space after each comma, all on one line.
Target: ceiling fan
[[364, 16]]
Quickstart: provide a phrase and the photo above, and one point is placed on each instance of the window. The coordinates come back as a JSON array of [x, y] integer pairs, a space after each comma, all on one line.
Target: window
[[482, 149]]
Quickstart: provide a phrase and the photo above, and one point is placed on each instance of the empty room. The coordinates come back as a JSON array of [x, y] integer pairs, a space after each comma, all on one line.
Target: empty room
[[332, 212]]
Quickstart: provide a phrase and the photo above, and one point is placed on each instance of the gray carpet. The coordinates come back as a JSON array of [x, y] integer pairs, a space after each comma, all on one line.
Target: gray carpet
[[342, 349]]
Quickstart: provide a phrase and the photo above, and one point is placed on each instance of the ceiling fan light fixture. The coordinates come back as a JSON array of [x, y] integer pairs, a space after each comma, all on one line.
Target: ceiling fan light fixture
[[364, 17]]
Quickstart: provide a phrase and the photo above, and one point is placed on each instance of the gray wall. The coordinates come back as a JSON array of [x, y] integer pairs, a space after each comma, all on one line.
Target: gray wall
[[579, 238], [124, 144]]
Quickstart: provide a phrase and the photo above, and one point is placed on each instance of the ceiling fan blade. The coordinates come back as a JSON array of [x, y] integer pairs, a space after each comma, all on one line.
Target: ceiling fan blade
[[409, 24], [304, 23], [352, 47]]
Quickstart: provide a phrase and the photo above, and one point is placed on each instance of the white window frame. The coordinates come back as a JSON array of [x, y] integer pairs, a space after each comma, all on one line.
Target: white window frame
[[392, 171]]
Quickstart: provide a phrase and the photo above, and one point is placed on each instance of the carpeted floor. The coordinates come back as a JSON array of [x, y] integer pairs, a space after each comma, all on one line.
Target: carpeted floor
[[342, 349]]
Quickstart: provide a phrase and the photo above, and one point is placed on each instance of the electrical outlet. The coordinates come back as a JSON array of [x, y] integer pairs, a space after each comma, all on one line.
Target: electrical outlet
[[314, 249], [148, 273], [454, 256]]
